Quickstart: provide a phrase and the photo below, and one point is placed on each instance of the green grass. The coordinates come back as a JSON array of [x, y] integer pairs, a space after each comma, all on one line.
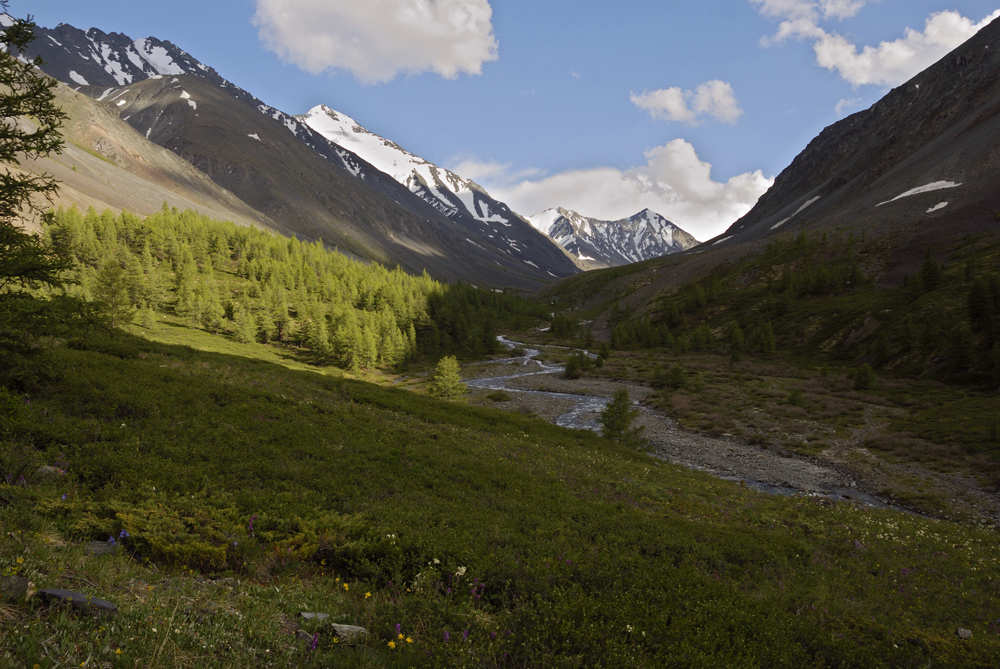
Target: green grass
[[251, 492]]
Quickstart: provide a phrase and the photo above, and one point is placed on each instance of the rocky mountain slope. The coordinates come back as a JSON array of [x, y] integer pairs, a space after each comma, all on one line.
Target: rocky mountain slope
[[105, 164], [461, 200], [284, 169], [596, 243], [924, 160]]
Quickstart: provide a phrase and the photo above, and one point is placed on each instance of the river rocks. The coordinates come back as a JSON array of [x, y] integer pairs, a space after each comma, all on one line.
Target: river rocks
[[963, 633], [79, 601]]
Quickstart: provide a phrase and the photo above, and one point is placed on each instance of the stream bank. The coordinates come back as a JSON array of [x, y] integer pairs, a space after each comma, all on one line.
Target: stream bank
[[538, 387]]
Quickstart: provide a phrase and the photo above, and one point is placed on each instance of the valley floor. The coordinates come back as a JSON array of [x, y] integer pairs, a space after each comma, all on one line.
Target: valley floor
[[846, 471]]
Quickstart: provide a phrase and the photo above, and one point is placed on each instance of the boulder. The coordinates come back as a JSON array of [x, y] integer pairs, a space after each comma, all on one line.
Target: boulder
[[13, 589], [963, 633], [79, 601]]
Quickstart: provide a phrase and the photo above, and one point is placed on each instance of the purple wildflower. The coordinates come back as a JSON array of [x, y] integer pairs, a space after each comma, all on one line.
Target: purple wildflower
[[447, 637], [315, 639]]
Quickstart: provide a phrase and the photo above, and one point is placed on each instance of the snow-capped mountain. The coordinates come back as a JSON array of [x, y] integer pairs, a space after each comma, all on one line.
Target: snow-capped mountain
[[256, 152], [461, 200], [596, 243]]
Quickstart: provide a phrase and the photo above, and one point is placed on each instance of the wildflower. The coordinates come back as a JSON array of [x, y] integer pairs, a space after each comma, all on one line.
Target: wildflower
[[465, 635], [447, 637], [409, 639], [460, 572], [367, 595], [111, 540], [315, 639], [399, 628], [118, 651], [123, 534], [392, 644], [400, 637], [63, 499], [346, 587]]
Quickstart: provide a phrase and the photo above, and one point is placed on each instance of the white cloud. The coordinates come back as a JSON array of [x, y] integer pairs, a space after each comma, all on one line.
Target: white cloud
[[377, 39], [892, 63], [888, 64], [674, 182], [713, 99], [847, 104]]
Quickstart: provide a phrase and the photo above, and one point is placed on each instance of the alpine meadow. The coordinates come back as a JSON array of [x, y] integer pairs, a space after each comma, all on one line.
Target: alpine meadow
[[276, 392]]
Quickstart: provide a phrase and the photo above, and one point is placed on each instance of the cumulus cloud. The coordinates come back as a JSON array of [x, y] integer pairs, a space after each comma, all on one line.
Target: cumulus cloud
[[377, 39], [674, 182], [888, 64], [713, 99], [846, 103]]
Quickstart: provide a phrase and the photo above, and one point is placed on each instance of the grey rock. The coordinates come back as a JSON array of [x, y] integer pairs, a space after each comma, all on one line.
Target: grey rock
[[315, 616], [349, 631], [49, 472], [13, 589], [101, 548], [963, 633], [80, 602]]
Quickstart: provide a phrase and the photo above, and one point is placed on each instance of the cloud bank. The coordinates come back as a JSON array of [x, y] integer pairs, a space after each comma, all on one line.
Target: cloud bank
[[377, 39], [889, 63], [714, 99], [673, 182]]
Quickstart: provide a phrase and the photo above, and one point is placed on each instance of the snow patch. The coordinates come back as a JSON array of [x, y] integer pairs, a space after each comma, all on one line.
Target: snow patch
[[254, 136], [187, 96], [55, 40], [797, 212], [78, 78], [722, 240], [105, 94], [158, 57], [937, 207], [937, 185], [122, 103]]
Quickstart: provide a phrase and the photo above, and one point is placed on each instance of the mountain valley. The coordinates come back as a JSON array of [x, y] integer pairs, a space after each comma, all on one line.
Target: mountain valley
[[299, 397]]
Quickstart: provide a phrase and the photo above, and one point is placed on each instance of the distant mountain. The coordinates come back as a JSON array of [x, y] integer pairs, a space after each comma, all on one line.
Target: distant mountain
[[596, 243], [283, 168], [461, 200], [922, 164]]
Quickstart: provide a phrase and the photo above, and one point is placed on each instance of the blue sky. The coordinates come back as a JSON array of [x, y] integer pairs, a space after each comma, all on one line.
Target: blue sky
[[689, 107]]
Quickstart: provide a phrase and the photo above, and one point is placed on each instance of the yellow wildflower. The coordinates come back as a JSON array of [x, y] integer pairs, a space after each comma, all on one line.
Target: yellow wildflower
[[346, 587], [367, 595], [409, 639], [392, 644], [118, 651], [400, 637]]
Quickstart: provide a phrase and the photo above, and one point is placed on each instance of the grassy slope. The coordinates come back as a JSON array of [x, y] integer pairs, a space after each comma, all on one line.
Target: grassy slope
[[308, 492]]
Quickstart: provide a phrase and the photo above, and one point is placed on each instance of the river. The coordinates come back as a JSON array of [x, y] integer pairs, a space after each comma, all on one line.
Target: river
[[726, 457]]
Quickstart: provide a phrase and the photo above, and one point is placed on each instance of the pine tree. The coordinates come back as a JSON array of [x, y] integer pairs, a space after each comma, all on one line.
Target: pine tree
[[446, 382], [617, 418], [25, 261], [113, 293]]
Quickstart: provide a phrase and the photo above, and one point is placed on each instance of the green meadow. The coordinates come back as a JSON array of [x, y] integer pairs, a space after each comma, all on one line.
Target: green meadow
[[243, 458]]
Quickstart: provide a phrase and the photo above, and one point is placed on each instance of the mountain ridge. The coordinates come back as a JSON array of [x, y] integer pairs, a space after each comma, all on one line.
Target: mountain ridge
[[346, 201], [598, 243]]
